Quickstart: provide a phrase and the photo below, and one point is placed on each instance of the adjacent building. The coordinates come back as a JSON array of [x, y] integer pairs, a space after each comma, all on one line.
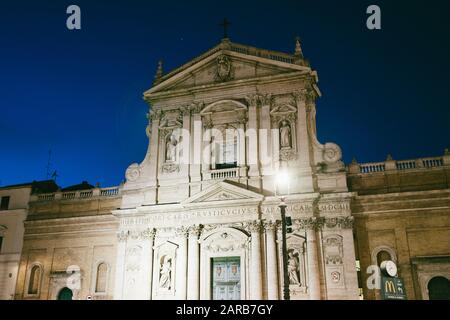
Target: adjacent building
[[14, 201]]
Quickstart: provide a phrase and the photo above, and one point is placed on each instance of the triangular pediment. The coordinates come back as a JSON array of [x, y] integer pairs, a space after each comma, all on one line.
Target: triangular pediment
[[222, 191], [225, 65]]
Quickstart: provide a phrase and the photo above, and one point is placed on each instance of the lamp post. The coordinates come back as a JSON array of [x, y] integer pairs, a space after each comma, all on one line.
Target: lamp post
[[282, 178]]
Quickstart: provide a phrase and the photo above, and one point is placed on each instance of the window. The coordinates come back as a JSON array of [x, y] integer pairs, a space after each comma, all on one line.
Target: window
[[102, 275], [4, 204], [35, 280], [226, 154], [383, 256]]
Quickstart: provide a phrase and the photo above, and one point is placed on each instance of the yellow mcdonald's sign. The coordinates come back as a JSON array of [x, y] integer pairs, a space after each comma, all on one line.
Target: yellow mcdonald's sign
[[392, 288], [389, 287]]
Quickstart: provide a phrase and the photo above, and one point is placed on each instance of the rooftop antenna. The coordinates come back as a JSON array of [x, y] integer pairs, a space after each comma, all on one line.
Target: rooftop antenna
[[55, 175], [49, 163]]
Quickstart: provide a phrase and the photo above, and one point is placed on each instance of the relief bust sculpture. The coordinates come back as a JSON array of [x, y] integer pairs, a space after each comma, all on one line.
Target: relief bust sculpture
[[285, 135]]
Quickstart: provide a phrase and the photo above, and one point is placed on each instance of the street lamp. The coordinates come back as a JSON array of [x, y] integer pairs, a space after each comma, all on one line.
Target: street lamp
[[282, 178]]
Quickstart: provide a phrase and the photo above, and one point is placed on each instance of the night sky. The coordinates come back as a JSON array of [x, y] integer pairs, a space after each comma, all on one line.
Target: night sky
[[79, 93]]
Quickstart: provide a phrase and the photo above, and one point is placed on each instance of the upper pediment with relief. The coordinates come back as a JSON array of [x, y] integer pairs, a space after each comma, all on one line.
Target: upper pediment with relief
[[223, 191], [226, 65]]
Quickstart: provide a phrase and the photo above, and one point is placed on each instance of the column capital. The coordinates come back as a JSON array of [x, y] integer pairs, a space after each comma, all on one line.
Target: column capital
[[253, 226], [185, 110], [252, 99], [265, 99], [123, 235], [147, 234], [270, 225], [194, 230], [196, 106], [304, 95], [312, 223], [181, 231], [155, 115]]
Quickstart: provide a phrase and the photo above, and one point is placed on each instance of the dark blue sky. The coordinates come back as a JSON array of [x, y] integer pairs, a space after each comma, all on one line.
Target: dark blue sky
[[80, 92]]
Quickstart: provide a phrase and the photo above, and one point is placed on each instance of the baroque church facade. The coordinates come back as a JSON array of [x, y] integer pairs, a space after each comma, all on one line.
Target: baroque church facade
[[198, 218]]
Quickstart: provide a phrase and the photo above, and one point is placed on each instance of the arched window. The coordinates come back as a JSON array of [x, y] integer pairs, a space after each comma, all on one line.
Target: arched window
[[34, 280], [65, 294], [102, 277], [439, 288], [383, 256]]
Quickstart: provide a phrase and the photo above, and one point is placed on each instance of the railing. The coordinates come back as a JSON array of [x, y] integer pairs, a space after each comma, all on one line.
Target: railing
[[109, 192], [80, 194], [432, 162], [372, 167], [406, 164], [69, 195], [46, 197], [272, 55], [225, 173], [401, 165]]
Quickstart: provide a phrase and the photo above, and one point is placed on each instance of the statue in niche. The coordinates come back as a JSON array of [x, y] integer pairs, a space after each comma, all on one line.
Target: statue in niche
[[285, 135], [165, 273], [171, 148], [293, 269]]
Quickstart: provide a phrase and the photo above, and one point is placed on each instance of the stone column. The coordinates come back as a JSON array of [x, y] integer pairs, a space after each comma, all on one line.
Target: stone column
[[305, 181], [151, 169], [255, 262], [253, 144], [147, 237], [154, 138], [120, 264], [272, 266], [313, 261], [196, 150], [181, 268], [186, 135], [302, 128], [241, 144], [193, 285], [265, 135]]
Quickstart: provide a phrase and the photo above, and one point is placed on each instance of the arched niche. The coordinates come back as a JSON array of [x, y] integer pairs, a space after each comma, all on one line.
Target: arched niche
[[224, 242], [387, 249]]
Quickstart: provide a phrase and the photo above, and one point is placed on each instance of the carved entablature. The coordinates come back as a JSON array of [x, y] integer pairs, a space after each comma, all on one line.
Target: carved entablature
[[317, 223], [339, 222], [312, 223]]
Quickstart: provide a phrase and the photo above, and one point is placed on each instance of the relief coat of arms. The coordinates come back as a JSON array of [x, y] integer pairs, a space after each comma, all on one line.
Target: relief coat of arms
[[224, 70]]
